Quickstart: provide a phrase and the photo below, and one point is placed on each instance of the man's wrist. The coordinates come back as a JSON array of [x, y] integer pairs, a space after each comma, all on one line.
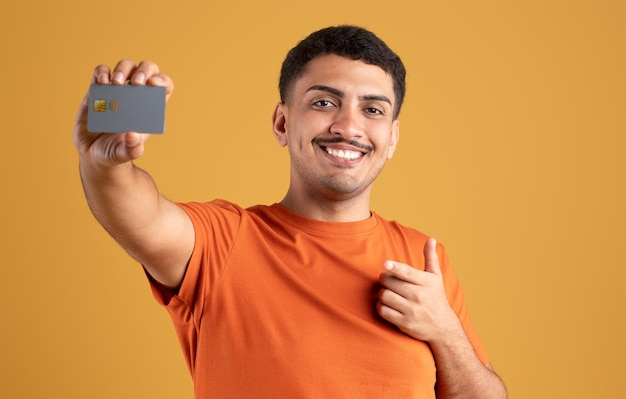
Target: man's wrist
[[449, 334]]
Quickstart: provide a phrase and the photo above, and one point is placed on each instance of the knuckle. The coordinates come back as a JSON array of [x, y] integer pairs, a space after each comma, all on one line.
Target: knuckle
[[383, 296], [149, 65], [384, 311], [387, 278], [404, 272], [126, 62]]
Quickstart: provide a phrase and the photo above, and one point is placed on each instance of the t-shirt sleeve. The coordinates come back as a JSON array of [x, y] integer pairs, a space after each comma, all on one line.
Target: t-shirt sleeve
[[456, 299], [216, 224]]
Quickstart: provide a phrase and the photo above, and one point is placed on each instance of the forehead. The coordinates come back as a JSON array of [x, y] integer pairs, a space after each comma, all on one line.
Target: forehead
[[346, 75]]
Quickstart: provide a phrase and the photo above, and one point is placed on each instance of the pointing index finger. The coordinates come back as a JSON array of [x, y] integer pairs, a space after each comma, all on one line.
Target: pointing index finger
[[402, 271]]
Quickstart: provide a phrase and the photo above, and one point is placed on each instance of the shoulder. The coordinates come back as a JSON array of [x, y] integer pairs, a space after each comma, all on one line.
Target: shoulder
[[214, 206], [218, 207], [399, 235], [221, 212]]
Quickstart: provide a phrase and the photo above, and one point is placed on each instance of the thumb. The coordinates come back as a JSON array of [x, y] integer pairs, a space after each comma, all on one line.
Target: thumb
[[133, 139], [134, 145], [431, 259]]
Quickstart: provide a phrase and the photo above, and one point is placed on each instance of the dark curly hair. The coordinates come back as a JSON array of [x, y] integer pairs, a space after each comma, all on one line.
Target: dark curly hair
[[347, 41]]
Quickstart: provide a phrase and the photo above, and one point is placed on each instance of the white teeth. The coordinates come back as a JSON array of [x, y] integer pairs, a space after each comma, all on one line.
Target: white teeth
[[345, 154]]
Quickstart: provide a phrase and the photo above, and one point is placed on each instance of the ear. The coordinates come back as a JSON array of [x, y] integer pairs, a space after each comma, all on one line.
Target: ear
[[393, 138], [279, 123]]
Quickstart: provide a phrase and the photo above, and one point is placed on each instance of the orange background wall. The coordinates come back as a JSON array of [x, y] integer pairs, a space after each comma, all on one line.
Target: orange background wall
[[511, 154]]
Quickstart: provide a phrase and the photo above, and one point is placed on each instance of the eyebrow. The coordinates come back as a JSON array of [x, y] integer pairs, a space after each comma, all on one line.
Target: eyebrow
[[339, 93]]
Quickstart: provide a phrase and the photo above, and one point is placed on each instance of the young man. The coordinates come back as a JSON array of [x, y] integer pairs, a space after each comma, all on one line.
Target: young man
[[316, 296]]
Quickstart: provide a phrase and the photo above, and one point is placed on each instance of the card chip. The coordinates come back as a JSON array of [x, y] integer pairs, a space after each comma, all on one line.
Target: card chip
[[99, 105]]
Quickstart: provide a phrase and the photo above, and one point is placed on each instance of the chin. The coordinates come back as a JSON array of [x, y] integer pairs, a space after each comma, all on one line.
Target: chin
[[342, 189]]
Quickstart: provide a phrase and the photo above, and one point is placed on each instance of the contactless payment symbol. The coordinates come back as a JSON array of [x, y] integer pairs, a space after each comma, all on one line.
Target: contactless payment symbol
[[114, 105]]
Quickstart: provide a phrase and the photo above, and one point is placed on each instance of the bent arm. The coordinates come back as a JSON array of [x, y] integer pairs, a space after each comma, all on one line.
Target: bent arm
[[415, 301], [124, 198]]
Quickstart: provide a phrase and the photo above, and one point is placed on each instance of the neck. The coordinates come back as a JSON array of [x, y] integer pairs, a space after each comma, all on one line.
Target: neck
[[329, 210]]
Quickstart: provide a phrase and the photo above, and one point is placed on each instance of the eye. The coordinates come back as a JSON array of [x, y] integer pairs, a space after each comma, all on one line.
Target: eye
[[323, 103], [374, 111]]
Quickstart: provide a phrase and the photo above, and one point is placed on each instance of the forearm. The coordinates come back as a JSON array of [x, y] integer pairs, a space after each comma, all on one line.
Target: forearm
[[460, 374], [124, 199], [152, 229]]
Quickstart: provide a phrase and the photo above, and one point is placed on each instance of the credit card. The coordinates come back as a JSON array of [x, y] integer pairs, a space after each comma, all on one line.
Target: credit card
[[126, 108]]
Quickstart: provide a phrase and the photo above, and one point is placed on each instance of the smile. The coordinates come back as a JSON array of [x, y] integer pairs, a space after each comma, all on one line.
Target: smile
[[344, 154]]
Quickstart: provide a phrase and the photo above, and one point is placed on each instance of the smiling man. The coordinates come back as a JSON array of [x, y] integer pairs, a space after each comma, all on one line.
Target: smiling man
[[338, 122], [315, 296]]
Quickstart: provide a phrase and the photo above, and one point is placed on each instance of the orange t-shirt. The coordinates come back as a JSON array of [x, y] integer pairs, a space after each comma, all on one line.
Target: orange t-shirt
[[276, 305]]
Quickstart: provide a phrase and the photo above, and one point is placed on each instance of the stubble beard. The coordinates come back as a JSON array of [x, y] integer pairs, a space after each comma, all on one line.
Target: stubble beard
[[334, 186]]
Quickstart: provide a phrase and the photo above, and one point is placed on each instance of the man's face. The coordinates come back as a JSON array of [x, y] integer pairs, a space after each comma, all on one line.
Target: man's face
[[338, 125]]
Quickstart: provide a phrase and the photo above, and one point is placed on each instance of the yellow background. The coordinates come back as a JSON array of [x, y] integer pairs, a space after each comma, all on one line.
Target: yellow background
[[511, 154]]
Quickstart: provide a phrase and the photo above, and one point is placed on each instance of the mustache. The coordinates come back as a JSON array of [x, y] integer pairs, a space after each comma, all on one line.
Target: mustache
[[335, 140]]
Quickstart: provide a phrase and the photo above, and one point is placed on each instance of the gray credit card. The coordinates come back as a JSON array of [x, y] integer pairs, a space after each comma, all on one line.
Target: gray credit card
[[126, 108]]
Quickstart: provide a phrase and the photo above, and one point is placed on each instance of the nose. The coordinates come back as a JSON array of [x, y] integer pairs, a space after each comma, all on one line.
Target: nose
[[347, 123]]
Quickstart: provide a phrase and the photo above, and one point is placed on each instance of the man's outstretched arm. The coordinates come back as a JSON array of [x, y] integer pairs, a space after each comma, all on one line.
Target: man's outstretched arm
[[124, 198]]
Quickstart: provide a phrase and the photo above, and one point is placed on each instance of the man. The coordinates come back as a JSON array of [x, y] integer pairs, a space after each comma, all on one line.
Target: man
[[316, 296]]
